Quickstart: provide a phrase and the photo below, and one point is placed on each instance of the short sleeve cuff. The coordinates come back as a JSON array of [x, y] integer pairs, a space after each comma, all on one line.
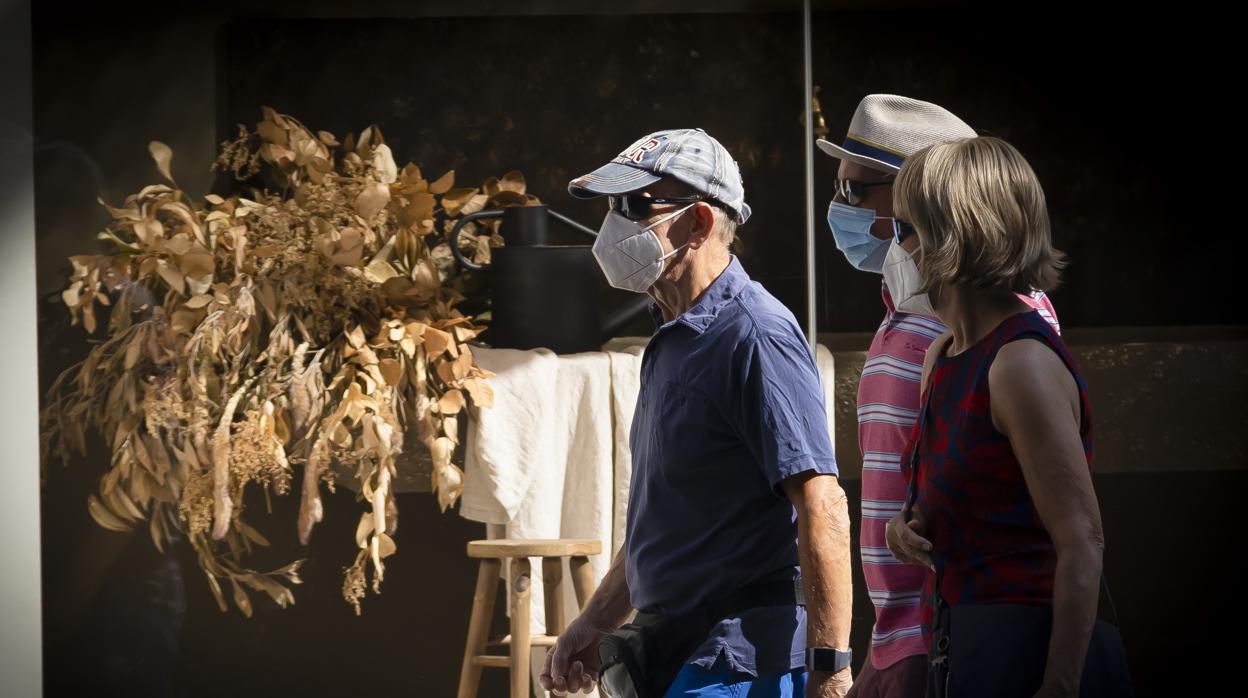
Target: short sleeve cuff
[[799, 465]]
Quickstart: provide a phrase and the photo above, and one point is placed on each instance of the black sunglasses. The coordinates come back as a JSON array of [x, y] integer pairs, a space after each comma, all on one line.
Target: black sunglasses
[[904, 230], [853, 191], [636, 207]]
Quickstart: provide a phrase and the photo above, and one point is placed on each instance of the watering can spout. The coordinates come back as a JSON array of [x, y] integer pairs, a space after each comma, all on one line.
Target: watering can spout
[[543, 294], [618, 320]]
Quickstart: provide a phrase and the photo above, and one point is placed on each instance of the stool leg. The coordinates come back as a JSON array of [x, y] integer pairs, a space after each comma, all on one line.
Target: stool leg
[[552, 584], [582, 579], [479, 626], [520, 638]]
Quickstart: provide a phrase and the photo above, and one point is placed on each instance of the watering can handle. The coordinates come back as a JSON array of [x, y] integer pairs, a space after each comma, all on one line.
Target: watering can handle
[[454, 238]]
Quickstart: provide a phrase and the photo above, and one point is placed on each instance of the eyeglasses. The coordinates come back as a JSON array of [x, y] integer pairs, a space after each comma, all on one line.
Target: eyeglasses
[[853, 191], [636, 207]]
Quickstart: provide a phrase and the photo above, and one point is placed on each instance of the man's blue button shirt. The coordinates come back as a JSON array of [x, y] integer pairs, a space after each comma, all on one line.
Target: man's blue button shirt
[[730, 405]]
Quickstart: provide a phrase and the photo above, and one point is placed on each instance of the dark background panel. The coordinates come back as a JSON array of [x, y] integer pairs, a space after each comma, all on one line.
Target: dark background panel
[[552, 96], [1100, 102]]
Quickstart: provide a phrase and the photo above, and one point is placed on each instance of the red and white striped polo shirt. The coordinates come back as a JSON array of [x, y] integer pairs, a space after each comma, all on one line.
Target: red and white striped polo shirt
[[888, 404]]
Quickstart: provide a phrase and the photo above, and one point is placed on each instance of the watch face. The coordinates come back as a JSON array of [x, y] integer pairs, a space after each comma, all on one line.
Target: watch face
[[827, 659]]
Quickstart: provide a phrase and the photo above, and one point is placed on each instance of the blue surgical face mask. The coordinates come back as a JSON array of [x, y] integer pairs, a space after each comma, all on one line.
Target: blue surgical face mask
[[851, 229]]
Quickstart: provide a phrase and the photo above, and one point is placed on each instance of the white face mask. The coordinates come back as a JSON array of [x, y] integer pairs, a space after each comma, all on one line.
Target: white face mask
[[902, 276], [631, 256]]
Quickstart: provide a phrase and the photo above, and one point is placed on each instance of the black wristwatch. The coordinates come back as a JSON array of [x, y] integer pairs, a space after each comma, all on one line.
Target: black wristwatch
[[827, 659]]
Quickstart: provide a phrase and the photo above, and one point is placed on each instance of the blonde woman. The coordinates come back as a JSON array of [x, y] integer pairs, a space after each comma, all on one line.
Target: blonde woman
[[1001, 505]]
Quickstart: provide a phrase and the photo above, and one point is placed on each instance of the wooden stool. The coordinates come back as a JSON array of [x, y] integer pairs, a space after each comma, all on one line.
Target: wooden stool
[[491, 553]]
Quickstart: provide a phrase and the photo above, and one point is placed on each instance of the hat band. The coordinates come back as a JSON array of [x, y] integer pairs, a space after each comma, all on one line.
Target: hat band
[[875, 153]]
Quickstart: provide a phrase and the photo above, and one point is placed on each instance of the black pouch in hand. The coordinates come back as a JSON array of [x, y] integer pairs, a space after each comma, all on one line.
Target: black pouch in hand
[[642, 658]]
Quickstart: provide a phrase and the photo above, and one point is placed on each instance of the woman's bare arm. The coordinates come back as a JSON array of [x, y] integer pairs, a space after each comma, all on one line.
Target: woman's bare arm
[[1035, 403]]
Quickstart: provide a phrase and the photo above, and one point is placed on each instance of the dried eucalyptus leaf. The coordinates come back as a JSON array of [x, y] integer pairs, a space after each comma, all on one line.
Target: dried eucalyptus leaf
[[216, 591], [163, 155], [391, 370], [451, 402], [386, 546], [379, 271], [442, 184], [364, 530], [104, 517], [508, 198], [480, 391], [240, 598], [474, 204], [455, 199], [436, 342], [383, 162], [372, 198], [512, 181]]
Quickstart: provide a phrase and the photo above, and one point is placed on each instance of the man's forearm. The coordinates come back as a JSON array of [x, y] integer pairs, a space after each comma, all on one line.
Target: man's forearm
[[827, 573], [610, 604]]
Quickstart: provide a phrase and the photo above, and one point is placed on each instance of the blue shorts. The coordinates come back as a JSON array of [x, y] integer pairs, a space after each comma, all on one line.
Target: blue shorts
[[722, 682]]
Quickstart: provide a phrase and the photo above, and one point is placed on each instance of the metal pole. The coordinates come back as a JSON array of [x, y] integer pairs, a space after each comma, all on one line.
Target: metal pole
[[809, 141]]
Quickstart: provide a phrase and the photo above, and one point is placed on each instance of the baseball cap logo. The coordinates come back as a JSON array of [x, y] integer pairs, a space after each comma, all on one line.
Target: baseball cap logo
[[636, 154]]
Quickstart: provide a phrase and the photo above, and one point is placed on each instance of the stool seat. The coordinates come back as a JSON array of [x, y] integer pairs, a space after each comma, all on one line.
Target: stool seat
[[553, 547]]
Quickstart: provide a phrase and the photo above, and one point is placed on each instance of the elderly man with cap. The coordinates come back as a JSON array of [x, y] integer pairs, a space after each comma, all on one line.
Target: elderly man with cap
[[734, 481], [884, 131]]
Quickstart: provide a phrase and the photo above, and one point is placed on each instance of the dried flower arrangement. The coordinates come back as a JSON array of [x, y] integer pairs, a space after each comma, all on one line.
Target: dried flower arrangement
[[315, 325]]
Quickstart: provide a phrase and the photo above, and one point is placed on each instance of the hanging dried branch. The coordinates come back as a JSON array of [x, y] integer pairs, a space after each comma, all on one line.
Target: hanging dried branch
[[251, 334]]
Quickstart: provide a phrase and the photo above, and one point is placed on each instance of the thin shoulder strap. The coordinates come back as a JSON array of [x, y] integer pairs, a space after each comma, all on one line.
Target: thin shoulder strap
[[912, 491]]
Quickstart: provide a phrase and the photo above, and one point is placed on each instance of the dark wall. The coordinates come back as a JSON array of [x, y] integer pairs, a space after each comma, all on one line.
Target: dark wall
[[1117, 112], [1101, 104], [552, 96], [557, 95]]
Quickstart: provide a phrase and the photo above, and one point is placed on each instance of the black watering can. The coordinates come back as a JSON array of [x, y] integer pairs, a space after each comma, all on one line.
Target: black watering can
[[543, 294]]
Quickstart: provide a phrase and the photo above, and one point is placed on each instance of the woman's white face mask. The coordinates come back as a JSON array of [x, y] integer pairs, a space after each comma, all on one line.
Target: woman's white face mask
[[902, 276], [630, 255]]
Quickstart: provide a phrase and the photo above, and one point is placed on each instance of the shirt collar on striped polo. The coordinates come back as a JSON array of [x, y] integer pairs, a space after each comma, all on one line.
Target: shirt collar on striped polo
[[888, 297]]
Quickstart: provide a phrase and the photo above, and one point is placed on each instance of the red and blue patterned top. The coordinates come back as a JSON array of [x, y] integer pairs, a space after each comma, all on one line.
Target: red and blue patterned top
[[986, 534], [888, 402]]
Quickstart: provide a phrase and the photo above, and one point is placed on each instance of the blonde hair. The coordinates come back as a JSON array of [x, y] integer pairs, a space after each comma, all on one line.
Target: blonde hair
[[980, 215]]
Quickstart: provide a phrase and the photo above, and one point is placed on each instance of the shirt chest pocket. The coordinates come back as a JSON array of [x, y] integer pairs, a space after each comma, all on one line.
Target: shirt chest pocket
[[691, 432]]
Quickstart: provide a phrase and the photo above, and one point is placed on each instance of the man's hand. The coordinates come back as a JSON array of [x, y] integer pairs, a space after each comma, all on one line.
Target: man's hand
[[572, 664], [906, 541], [820, 684]]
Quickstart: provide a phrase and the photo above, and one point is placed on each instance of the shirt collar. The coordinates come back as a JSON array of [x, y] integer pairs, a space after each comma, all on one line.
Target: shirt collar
[[888, 298], [699, 317]]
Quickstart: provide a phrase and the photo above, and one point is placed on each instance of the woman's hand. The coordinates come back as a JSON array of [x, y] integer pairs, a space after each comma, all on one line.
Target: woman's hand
[[905, 539]]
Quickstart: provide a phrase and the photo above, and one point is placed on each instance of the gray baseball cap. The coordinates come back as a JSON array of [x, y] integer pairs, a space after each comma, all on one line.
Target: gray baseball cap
[[688, 155]]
